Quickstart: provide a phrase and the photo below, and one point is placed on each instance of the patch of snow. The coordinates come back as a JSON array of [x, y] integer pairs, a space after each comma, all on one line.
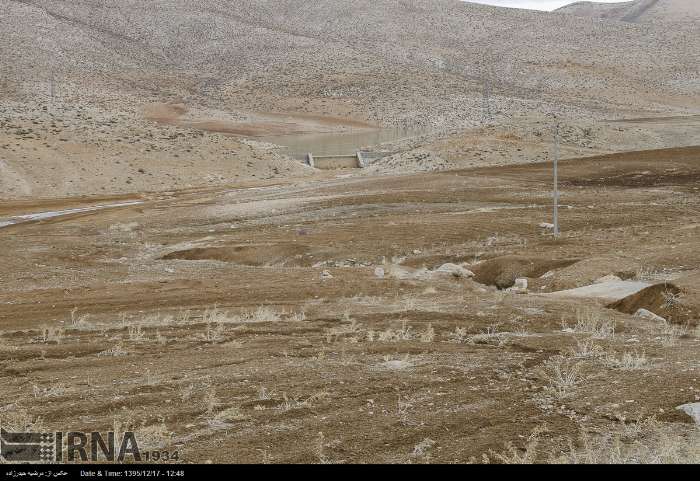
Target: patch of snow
[[609, 291], [58, 213]]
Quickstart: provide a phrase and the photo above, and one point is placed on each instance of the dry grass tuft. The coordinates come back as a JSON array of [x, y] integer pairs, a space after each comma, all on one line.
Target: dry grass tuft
[[428, 335], [17, 419], [594, 323], [114, 351], [670, 334], [52, 335], [629, 361], [459, 335], [49, 391], [136, 333], [214, 332], [562, 376], [586, 349], [79, 322], [650, 443]]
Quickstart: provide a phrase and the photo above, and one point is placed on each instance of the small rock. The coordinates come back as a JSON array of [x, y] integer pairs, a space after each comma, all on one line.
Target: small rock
[[692, 410], [455, 270], [402, 272], [608, 278], [520, 284], [396, 365], [326, 275], [379, 272], [546, 225], [648, 315]]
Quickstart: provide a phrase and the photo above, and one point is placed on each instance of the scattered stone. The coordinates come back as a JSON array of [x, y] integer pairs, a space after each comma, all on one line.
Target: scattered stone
[[455, 270], [395, 365], [546, 225], [402, 272], [692, 410], [648, 315], [519, 286], [379, 272], [326, 275]]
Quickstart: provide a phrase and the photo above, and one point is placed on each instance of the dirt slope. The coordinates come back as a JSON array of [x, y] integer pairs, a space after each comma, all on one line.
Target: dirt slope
[[252, 325], [638, 11]]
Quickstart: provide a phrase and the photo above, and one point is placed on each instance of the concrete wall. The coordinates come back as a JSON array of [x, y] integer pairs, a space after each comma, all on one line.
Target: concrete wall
[[336, 162]]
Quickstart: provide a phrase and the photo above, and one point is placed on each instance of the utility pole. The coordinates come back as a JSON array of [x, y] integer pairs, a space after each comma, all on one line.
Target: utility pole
[[52, 88], [486, 107], [556, 182]]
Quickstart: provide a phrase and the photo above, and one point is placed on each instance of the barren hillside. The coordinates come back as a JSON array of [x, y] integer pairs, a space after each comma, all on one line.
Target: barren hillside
[[641, 11], [82, 78]]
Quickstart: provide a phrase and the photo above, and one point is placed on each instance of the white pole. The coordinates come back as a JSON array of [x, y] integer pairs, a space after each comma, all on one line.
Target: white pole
[[51, 86], [556, 182]]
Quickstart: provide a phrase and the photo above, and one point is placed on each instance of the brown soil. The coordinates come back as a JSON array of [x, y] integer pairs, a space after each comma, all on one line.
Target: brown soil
[[661, 299], [249, 255], [502, 271], [259, 124], [294, 365]]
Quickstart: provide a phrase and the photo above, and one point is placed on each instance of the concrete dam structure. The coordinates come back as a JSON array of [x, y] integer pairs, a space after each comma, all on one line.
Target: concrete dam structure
[[359, 160]]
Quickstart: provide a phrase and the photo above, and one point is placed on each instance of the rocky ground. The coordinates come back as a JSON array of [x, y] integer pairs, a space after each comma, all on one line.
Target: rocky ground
[[638, 11], [312, 321]]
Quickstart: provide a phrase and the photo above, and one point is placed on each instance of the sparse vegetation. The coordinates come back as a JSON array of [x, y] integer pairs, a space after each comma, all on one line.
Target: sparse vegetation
[[114, 351], [648, 442], [655, 444], [594, 323], [53, 335], [671, 333], [17, 419], [136, 333], [671, 300], [428, 335], [79, 322], [627, 361], [214, 332], [459, 335], [562, 377], [489, 336], [586, 349]]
